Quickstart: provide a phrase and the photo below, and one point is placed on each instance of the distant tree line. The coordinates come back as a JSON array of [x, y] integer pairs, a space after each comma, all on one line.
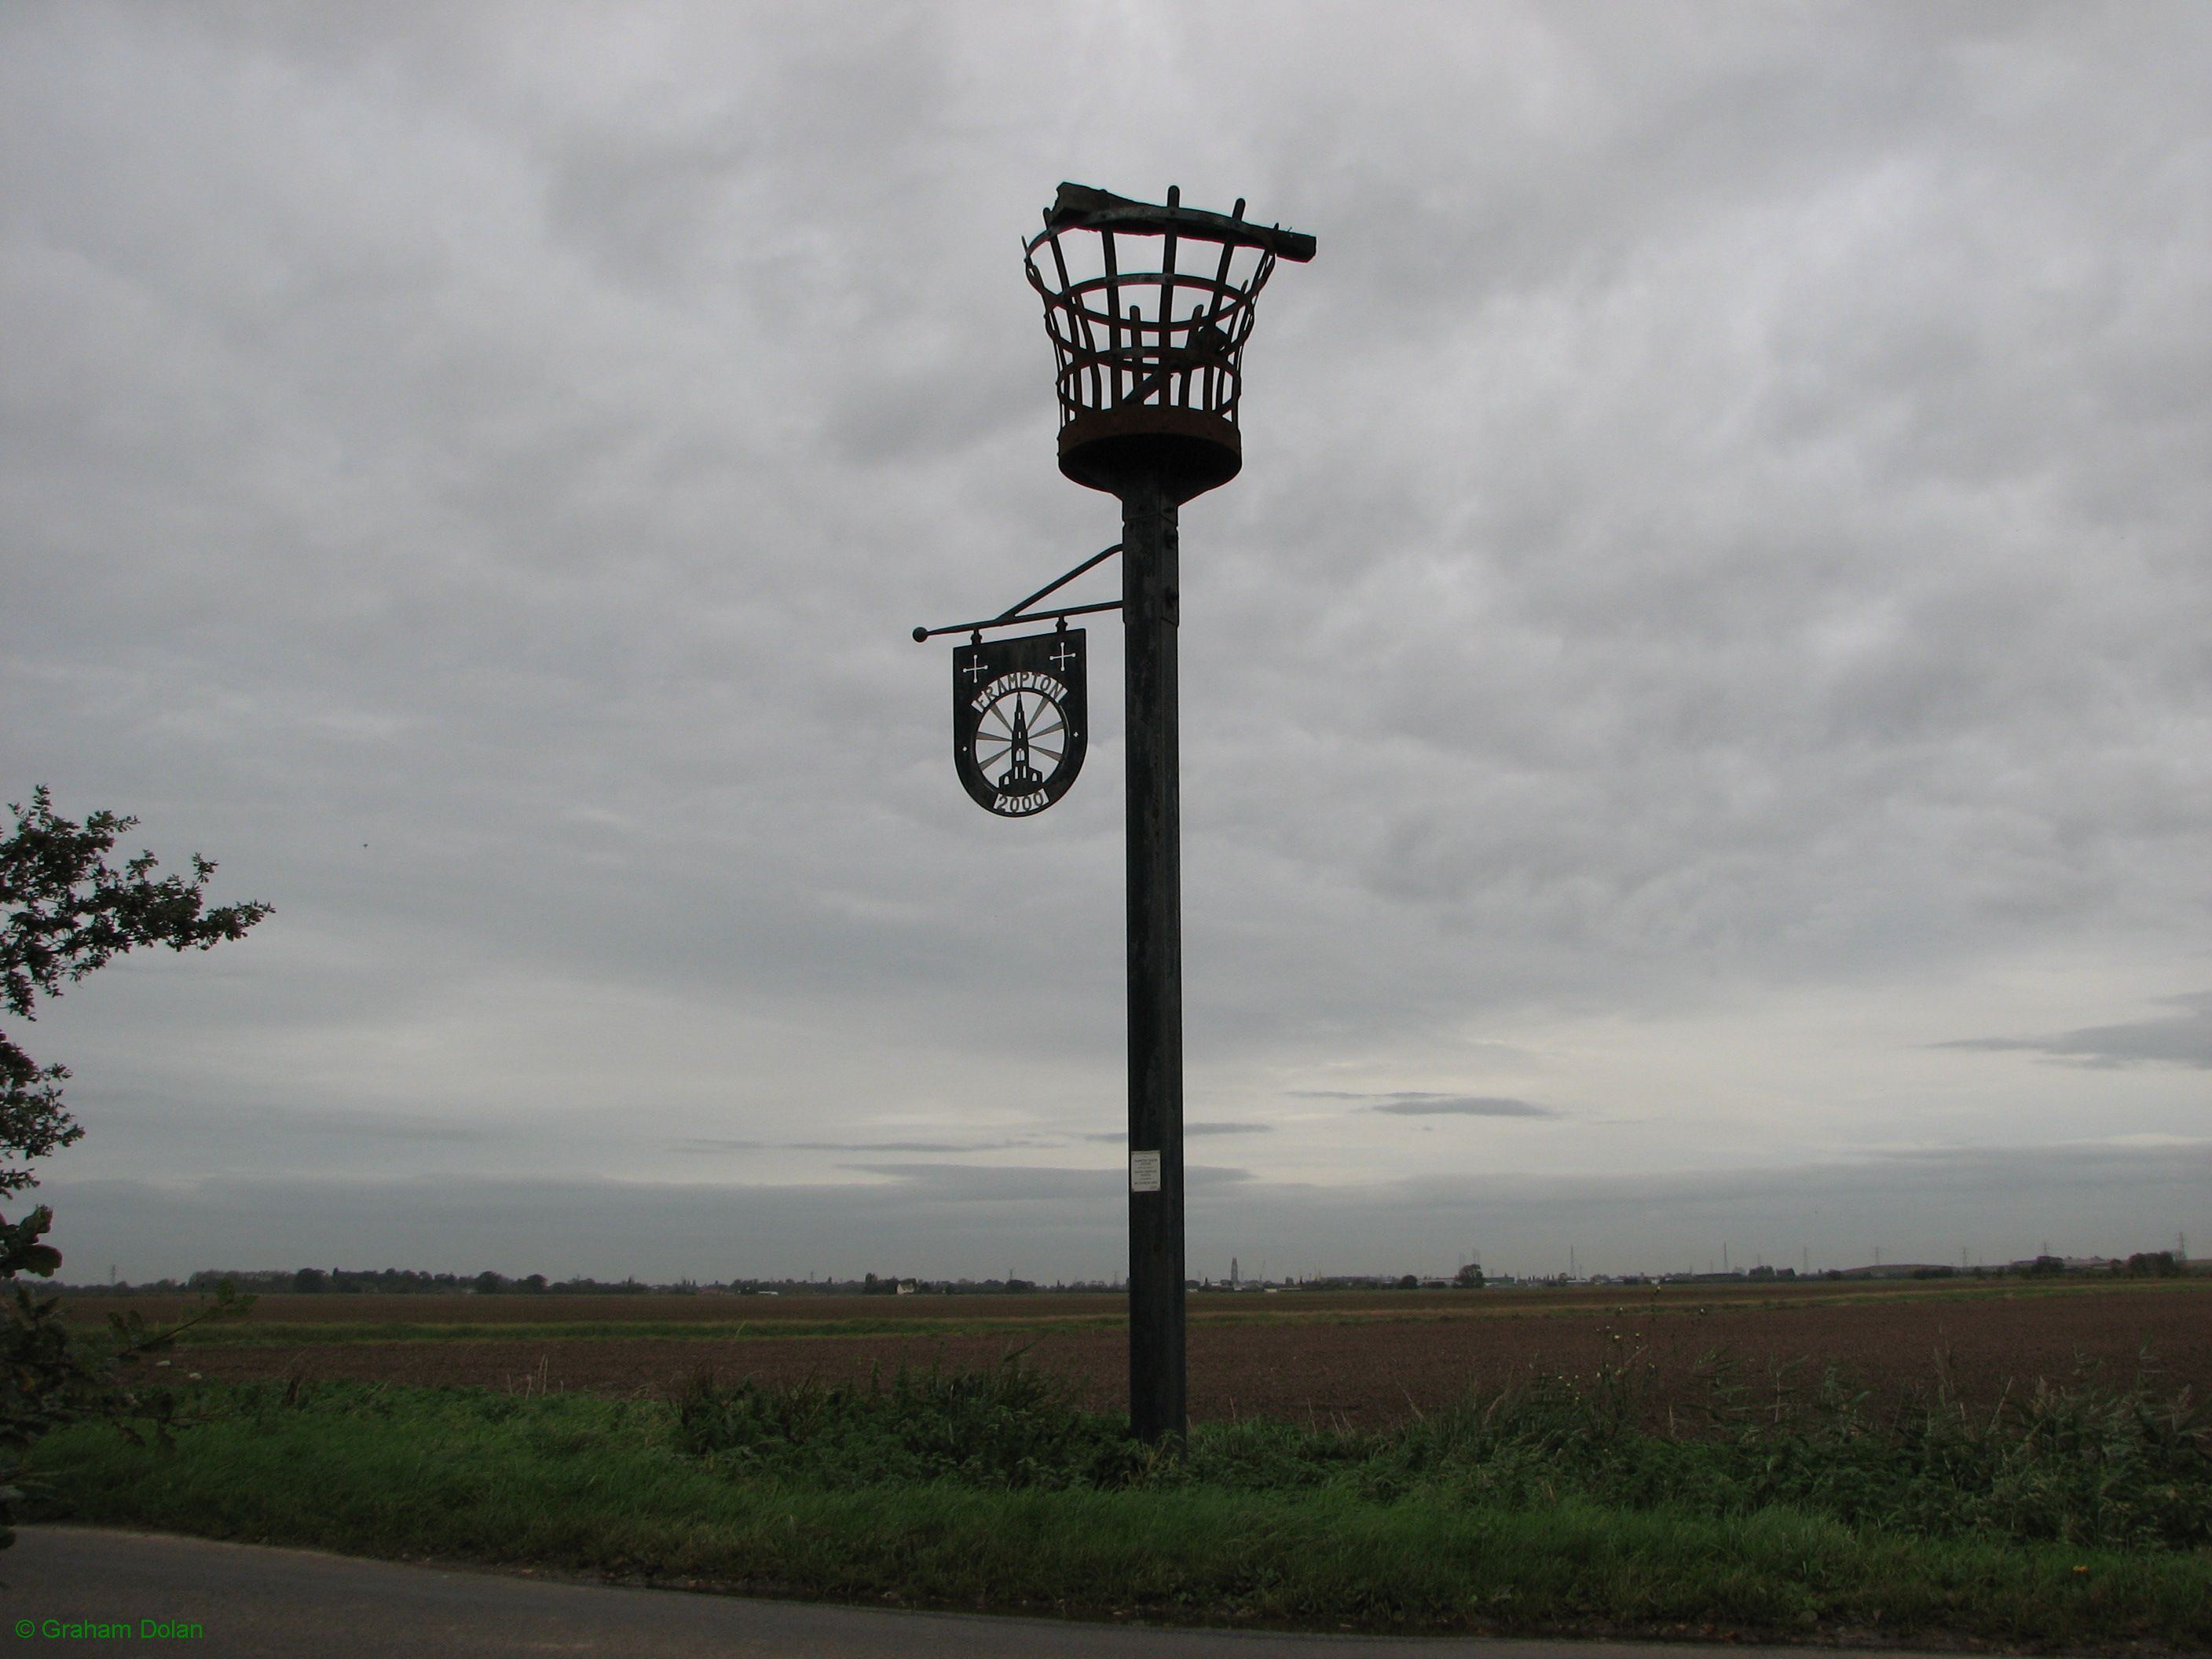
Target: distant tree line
[[401, 1282], [381, 1281], [395, 1281], [2151, 1264], [2144, 1264]]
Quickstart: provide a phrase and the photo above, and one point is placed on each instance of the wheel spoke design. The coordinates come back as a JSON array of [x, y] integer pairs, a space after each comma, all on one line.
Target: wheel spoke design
[[1021, 740]]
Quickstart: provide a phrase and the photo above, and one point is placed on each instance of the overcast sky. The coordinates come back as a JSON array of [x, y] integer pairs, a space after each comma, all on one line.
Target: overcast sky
[[1698, 714]]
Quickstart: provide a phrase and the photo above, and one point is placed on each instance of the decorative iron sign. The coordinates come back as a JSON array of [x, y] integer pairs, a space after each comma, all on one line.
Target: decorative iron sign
[[1020, 720]]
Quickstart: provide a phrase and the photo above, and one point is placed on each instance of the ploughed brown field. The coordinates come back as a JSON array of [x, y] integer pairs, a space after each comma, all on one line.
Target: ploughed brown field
[[1354, 1359]]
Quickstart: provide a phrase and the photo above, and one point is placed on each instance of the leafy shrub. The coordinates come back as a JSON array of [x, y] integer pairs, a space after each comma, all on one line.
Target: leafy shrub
[[2084, 1463], [1006, 1427]]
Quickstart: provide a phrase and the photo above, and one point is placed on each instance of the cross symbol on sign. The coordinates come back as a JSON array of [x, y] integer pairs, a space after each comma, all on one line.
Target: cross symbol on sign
[[1061, 658], [977, 669]]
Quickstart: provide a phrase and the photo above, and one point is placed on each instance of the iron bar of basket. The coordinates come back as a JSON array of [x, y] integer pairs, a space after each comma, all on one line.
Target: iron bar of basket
[[1167, 287], [1076, 320], [1219, 308], [1113, 311]]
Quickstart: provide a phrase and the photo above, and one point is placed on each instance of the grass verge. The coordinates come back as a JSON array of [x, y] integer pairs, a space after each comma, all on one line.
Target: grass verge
[[2082, 1521]]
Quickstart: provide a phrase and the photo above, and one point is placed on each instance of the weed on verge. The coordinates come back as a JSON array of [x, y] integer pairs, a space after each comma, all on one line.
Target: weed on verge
[[2080, 1515]]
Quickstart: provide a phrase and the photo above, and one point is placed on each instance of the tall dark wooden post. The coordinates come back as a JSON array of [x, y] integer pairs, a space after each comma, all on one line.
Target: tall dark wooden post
[[1151, 372], [1149, 604]]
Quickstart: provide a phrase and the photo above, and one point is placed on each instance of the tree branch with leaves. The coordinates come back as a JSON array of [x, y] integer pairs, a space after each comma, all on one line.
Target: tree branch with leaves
[[64, 912], [68, 913]]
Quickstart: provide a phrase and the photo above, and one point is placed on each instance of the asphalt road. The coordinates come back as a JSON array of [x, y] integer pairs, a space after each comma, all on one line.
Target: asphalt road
[[251, 1601]]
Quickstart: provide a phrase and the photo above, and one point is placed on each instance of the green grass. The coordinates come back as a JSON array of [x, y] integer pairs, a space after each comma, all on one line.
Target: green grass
[[2078, 1517]]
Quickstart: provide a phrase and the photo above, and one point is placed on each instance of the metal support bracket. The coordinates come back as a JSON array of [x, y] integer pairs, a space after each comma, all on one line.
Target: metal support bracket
[[1018, 612]]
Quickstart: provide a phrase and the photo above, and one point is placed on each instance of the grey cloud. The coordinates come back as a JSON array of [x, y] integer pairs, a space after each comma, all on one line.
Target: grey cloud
[[1721, 535], [2184, 1038], [1417, 1105], [243, 1125], [717, 1145], [956, 1183], [367, 1125], [934, 1184], [1199, 1129], [914, 1146], [1406, 1103]]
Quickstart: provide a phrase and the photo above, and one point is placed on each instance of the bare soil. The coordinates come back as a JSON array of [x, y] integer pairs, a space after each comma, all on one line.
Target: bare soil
[[1360, 1360]]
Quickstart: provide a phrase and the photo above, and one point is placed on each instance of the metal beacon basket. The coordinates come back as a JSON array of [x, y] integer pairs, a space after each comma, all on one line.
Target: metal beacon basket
[[1151, 354]]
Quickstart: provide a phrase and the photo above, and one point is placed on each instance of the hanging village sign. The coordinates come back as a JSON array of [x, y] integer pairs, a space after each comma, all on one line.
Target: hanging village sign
[[1020, 720], [1020, 708], [1148, 307]]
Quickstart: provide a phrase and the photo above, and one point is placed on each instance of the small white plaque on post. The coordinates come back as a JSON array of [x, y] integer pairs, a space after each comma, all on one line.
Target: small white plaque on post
[[1144, 1172]]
